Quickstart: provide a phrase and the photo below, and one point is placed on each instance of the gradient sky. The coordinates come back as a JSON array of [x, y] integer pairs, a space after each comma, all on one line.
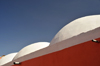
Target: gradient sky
[[23, 22]]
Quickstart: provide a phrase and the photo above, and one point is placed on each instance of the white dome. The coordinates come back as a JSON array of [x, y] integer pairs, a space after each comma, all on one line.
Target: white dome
[[31, 48], [76, 27], [6, 59]]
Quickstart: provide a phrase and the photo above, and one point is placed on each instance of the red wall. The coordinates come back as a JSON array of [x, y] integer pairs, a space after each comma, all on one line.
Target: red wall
[[85, 54]]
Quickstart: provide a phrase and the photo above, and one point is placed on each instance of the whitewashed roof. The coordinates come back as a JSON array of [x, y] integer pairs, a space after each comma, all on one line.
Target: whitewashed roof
[[76, 27], [6, 59], [31, 48]]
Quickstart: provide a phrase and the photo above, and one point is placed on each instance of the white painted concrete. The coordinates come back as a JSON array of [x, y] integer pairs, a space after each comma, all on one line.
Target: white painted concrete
[[31, 48], [6, 59], [76, 27]]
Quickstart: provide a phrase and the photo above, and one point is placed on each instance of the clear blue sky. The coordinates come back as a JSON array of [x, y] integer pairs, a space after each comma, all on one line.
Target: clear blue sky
[[23, 22]]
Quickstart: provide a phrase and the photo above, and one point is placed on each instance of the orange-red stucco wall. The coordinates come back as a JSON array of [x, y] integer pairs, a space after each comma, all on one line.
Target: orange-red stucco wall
[[85, 54]]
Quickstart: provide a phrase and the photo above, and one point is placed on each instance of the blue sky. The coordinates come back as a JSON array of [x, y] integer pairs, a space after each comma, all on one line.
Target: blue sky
[[23, 22]]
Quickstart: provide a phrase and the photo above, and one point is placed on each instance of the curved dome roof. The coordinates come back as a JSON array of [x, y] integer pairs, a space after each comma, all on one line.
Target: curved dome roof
[[76, 27], [6, 59], [31, 48]]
